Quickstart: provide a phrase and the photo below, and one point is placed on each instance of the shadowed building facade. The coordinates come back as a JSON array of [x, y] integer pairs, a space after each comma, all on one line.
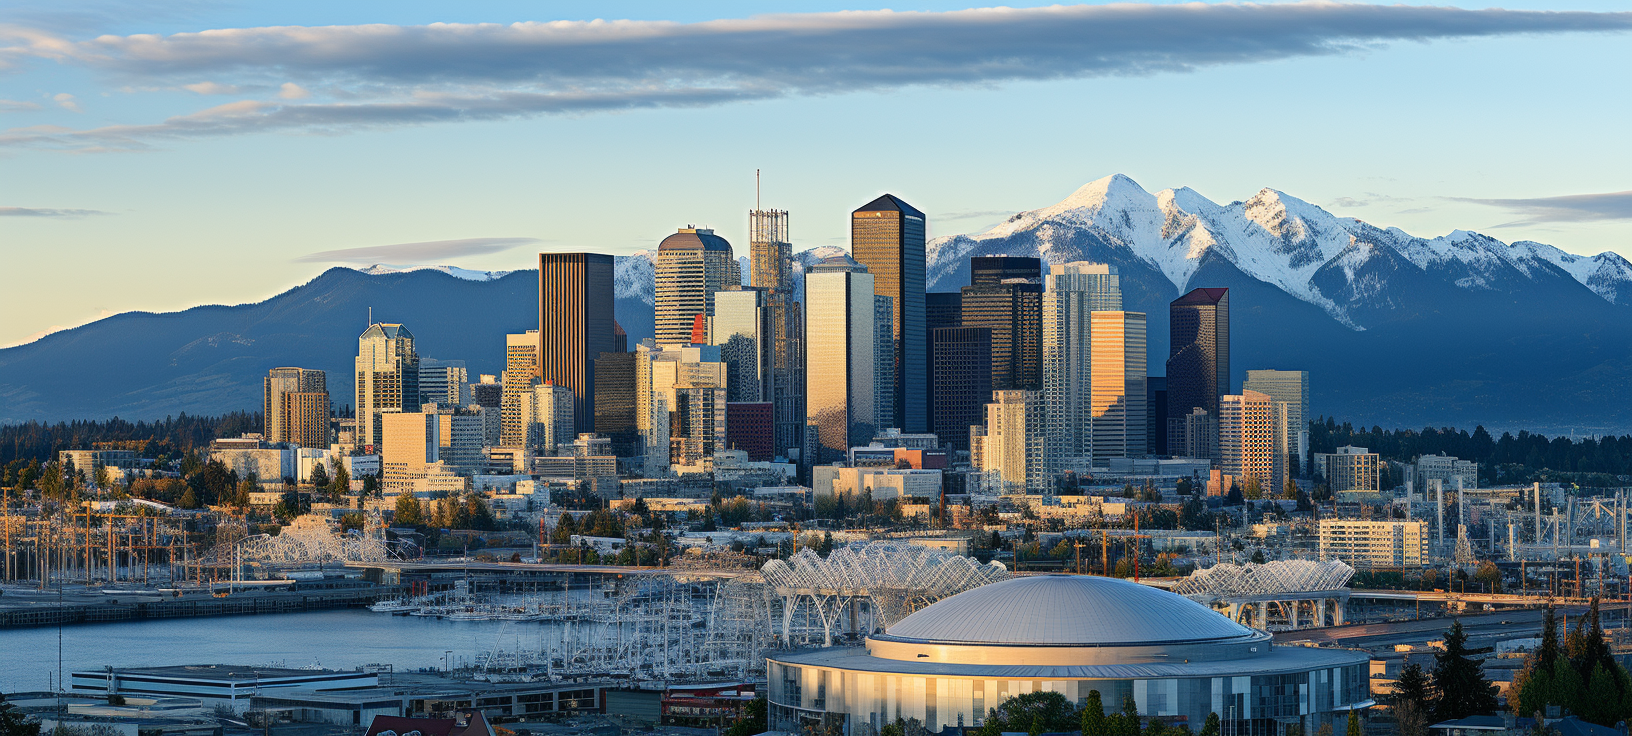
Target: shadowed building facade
[[772, 271], [575, 324], [387, 375], [1006, 296], [1198, 365], [295, 406], [962, 381], [887, 236]]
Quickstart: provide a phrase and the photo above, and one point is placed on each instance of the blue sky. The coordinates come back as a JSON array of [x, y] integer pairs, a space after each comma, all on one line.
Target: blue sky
[[126, 185]]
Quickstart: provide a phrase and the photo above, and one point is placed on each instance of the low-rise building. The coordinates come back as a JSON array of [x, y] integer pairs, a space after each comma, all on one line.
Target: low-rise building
[[1374, 544], [1350, 469], [881, 482]]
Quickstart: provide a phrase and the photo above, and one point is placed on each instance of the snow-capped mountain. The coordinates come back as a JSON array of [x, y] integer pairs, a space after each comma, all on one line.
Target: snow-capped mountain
[[466, 274], [634, 275], [1348, 268]]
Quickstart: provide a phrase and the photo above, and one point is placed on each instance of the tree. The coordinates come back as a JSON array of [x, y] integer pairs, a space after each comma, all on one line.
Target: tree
[[1290, 490], [408, 511], [1413, 687], [1253, 490], [341, 484], [1093, 716], [1130, 717], [1354, 724], [752, 721], [1046, 710], [14, 723], [1459, 680], [320, 476], [1212, 726], [1412, 719]]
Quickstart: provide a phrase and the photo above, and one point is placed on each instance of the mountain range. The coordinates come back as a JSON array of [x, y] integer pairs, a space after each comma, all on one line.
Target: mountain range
[[1396, 330]]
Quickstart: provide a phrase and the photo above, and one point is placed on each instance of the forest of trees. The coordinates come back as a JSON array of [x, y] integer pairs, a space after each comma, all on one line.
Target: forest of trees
[[170, 437], [1506, 459]]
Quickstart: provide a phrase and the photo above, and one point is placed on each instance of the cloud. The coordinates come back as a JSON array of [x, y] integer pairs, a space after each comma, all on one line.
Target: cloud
[[211, 88], [974, 214], [416, 252], [15, 106], [66, 101], [1349, 202], [1567, 208], [42, 212], [394, 75], [292, 91]]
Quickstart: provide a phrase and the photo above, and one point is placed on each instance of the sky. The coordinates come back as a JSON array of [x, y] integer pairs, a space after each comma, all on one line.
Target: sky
[[158, 158]]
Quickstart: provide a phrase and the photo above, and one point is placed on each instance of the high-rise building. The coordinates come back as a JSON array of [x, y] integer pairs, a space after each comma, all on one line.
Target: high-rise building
[[697, 426], [575, 324], [615, 402], [772, 271], [689, 268], [1073, 292], [443, 382], [841, 355], [1006, 297], [883, 363], [295, 407], [887, 236], [1198, 365], [1014, 445], [548, 418], [962, 381], [1292, 388], [461, 433], [770, 250], [411, 441], [743, 331], [1250, 430], [660, 372], [387, 378], [1350, 469], [1156, 415], [941, 309], [1117, 398], [487, 392], [520, 376], [748, 428]]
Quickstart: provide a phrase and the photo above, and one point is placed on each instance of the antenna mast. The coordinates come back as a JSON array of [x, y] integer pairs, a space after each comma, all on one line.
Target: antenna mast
[[756, 189]]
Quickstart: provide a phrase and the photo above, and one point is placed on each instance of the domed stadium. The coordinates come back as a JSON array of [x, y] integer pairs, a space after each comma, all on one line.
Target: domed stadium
[[950, 662]]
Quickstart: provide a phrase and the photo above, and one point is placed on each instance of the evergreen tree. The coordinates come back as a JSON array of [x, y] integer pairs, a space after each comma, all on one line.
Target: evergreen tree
[[1354, 724], [408, 511], [1413, 687], [1130, 716], [14, 723], [1212, 726], [320, 476], [1093, 716], [1459, 680]]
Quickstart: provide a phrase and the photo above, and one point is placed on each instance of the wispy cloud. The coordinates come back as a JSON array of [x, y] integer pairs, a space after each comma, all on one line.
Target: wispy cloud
[[1567, 208], [380, 75], [212, 88], [972, 214], [16, 106], [46, 212], [416, 252]]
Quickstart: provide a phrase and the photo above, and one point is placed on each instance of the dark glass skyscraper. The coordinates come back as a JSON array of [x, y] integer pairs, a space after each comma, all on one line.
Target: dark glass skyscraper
[[887, 236], [575, 324], [941, 309], [615, 402], [962, 383], [1198, 367], [1006, 297]]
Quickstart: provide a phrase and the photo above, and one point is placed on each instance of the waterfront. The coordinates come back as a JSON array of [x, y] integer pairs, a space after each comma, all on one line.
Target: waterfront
[[333, 639]]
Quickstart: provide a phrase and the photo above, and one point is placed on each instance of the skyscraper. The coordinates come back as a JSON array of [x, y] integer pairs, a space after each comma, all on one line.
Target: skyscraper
[[884, 387], [387, 378], [887, 236], [772, 259], [1118, 398], [1014, 447], [1074, 291], [548, 418], [841, 355], [962, 381], [443, 382], [1252, 439], [660, 374], [1006, 298], [1198, 366], [295, 406], [742, 329], [690, 266], [1292, 388], [941, 309], [519, 377], [615, 402], [575, 323]]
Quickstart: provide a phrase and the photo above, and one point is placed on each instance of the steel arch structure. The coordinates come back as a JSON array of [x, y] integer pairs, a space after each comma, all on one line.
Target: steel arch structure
[[1288, 592], [314, 539]]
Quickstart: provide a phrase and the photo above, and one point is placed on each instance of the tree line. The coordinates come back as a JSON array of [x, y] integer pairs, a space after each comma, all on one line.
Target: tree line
[[1608, 455], [170, 437]]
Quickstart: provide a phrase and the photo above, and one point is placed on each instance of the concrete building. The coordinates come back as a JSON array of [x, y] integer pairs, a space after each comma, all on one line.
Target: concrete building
[[883, 483], [690, 267], [887, 236], [1175, 658], [548, 418], [443, 382], [1198, 364], [461, 436], [487, 391], [1444, 469], [840, 355], [387, 379], [517, 381], [250, 456], [116, 461], [749, 427], [1349, 469], [295, 406], [575, 324], [1072, 293], [1117, 378], [412, 441], [1250, 429], [660, 372], [1014, 446], [697, 427], [1374, 544], [1291, 388]]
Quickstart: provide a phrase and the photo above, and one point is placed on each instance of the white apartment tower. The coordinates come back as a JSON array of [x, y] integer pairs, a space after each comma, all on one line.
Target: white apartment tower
[[387, 379], [1013, 447]]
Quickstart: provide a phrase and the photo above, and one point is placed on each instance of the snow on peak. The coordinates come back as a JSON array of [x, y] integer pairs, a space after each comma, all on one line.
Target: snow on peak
[[380, 269]]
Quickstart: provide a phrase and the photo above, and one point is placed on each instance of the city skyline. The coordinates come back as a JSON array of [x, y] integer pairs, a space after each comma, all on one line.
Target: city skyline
[[106, 206]]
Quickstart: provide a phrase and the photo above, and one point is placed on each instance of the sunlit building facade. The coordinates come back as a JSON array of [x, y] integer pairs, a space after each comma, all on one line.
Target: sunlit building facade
[[887, 236], [841, 355]]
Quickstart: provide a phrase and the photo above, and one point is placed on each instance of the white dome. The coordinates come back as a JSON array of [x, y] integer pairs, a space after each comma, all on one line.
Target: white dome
[[1064, 611]]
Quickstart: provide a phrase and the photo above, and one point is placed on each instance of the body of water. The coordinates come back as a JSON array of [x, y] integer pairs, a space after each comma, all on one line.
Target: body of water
[[333, 639]]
